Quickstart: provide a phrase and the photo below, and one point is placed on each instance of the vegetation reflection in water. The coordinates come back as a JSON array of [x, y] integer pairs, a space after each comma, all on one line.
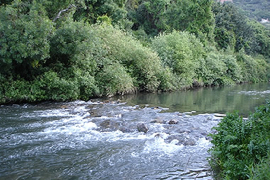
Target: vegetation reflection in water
[[243, 98], [99, 140]]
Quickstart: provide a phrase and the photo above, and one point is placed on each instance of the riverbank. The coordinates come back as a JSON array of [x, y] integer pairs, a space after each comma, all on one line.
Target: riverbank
[[115, 63]]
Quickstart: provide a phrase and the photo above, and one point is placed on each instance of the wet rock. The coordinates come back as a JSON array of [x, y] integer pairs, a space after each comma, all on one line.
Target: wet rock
[[105, 124], [181, 140], [94, 114], [189, 142], [183, 131], [158, 120], [142, 128], [108, 125], [173, 121], [125, 129], [64, 107], [155, 107]]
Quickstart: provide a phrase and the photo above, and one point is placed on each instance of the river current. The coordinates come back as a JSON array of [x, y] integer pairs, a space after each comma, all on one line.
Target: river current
[[100, 139]]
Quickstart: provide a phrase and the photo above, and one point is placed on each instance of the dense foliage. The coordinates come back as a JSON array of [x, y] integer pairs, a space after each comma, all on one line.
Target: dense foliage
[[234, 30], [66, 50], [256, 9], [242, 147]]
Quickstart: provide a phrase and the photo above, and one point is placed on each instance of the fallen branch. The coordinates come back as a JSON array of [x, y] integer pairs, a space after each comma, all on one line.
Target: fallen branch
[[64, 10]]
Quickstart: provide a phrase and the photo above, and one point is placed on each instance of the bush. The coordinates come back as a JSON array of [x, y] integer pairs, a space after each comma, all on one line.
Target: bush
[[240, 144], [213, 69], [20, 91], [75, 45], [254, 69], [234, 71], [140, 62], [262, 170], [87, 84], [24, 42], [114, 79], [180, 52], [57, 88]]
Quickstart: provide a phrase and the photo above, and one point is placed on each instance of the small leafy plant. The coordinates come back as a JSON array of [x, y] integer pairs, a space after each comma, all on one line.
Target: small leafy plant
[[240, 145]]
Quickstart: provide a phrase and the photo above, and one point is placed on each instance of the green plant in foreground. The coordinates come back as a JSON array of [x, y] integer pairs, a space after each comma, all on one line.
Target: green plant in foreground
[[262, 170], [239, 144]]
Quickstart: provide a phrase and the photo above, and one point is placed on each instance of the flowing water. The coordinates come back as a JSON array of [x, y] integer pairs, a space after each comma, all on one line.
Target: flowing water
[[100, 139]]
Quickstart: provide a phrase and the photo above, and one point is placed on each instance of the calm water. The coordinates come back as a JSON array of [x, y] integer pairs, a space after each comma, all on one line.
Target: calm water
[[242, 98], [100, 139]]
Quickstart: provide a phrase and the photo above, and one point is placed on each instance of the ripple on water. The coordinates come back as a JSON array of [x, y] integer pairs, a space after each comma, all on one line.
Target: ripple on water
[[68, 138]]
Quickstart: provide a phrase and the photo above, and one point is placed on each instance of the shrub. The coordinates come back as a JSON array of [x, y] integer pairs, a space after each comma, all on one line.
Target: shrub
[[181, 52], [262, 170], [113, 79], [254, 69], [87, 84], [24, 31], [240, 144], [75, 45], [57, 88], [213, 69], [140, 62], [234, 71]]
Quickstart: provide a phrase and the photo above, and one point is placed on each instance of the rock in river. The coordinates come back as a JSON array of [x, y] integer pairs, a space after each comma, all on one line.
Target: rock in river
[[142, 128], [173, 121]]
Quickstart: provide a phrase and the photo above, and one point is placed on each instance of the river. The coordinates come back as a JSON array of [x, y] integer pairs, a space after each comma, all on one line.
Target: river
[[99, 139]]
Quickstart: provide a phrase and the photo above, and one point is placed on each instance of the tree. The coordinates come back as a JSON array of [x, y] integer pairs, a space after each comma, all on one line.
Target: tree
[[156, 16], [194, 16], [233, 29], [150, 16], [24, 44], [90, 10]]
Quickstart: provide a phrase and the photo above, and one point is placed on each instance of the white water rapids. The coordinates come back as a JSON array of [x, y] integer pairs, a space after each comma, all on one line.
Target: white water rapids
[[96, 140]]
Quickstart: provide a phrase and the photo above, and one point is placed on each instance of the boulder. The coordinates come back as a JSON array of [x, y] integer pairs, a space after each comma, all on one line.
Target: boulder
[[142, 128]]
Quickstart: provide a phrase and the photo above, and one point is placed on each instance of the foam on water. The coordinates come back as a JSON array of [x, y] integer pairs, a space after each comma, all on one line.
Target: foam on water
[[253, 93], [159, 145], [72, 128]]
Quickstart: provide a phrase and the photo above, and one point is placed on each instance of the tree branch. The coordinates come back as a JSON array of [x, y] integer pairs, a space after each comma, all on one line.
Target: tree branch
[[64, 10]]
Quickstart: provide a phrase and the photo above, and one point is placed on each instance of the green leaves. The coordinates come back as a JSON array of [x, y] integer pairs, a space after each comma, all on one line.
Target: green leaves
[[240, 143], [181, 52], [24, 38], [85, 51]]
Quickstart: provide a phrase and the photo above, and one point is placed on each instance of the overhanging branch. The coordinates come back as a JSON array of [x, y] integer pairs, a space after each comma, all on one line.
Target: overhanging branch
[[64, 10]]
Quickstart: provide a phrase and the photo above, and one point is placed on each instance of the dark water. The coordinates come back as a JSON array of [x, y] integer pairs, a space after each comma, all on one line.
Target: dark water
[[100, 140]]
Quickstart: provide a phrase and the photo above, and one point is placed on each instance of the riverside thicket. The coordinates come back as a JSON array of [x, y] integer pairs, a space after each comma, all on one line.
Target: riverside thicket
[[242, 147], [81, 49]]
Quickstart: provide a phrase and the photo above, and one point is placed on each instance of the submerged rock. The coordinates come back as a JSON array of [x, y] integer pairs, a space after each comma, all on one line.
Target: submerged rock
[[158, 120], [142, 128], [173, 121], [108, 125], [125, 129], [181, 140]]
